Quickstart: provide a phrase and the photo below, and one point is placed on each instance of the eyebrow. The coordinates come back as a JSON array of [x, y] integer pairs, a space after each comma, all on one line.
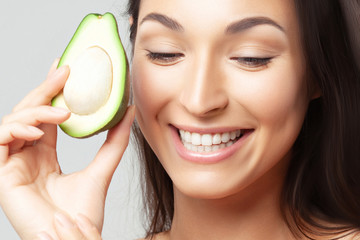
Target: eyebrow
[[233, 28], [246, 23], [164, 20]]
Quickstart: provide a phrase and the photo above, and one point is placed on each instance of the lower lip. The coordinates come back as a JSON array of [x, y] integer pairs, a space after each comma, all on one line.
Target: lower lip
[[206, 157]]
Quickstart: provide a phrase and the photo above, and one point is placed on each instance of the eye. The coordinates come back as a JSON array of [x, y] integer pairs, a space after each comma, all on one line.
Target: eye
[[163, 58], [252, 63]]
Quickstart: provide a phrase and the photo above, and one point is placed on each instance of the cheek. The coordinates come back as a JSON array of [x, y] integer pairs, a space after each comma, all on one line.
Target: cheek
[[141, 92], [145, 100], [281, 111], [153, 89], [149, 93], [277, 99], [274, 97]]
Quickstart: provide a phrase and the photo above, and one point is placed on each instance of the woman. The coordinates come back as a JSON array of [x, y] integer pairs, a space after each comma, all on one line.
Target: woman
[[248, 113]]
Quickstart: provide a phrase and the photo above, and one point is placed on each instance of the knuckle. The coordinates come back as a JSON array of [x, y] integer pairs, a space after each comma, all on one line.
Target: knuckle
[[14, 125], [16, 108], [5, 119]]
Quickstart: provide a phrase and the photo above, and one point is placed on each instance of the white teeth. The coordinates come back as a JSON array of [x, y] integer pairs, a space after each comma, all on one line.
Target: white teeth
[[215, 147], [225, 137], [228, 144], [233, 135], [200, 149], [216, 138], [193, 148], [187, 136], [195, 139], [182, 134], [197, 142], [206, 140], [207, 148]]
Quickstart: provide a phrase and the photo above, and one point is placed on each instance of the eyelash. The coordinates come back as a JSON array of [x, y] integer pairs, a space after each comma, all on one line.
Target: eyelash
[[252, 62], [164, 58], [170, 58]]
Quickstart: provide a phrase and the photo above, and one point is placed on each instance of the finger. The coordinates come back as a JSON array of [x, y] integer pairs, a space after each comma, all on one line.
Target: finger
[[66, 228], [15, 131], [43, 236], [10, 132], [50, 138], [87, 228], [109, 156], [36, 115], [43, 94], [53, 67]]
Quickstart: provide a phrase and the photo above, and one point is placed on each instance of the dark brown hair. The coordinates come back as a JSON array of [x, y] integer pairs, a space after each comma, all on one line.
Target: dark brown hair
[[321, 193]]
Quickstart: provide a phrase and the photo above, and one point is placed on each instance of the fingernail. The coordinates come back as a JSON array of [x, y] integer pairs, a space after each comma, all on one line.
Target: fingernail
[[59, 110], [56, 62], [61, 70], [35, 130], [63, 220], [44, 236], [83, 222]]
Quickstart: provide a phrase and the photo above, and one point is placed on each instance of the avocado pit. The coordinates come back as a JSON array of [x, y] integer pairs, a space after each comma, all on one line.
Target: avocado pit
[[90, 73]]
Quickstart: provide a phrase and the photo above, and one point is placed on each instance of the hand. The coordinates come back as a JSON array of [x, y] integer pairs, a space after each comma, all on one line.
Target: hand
[[32, 186], [82, 229]]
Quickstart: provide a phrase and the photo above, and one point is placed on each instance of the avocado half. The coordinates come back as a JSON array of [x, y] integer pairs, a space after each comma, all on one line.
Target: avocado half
[[97, 90]]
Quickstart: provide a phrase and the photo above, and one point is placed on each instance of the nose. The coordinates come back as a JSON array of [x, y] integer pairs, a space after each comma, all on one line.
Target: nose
[[204, 92]]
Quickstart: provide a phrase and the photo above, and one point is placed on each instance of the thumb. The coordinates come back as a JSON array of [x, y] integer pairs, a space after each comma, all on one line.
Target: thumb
[[108, 158]]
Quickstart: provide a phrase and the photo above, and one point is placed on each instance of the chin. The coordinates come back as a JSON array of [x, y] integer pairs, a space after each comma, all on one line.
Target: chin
[[207, 186]]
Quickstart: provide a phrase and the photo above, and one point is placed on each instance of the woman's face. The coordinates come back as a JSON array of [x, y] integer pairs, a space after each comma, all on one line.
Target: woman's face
[[220, 91]]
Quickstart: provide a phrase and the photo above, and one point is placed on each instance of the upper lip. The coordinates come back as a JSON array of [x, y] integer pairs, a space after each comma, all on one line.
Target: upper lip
[[202, 130]]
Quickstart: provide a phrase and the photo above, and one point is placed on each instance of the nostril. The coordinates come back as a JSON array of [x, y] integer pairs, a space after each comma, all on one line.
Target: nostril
[[204, 105], [203, 93]]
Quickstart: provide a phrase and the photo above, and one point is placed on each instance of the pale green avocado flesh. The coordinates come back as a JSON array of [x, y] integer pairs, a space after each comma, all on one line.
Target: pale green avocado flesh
[[97, 90]]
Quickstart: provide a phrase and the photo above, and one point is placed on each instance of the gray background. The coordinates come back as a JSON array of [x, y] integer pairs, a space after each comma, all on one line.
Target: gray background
[[32, 35]]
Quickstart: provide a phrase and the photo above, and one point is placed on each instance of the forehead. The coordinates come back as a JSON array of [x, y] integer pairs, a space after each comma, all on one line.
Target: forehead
[[216, 13]]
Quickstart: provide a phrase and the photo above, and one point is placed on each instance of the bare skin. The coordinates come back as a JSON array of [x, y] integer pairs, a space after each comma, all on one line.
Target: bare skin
[[204, 72], [205, 85], [191, 72], [35, 195]]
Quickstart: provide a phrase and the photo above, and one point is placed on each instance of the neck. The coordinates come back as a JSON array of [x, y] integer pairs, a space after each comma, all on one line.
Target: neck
[[252, 213]]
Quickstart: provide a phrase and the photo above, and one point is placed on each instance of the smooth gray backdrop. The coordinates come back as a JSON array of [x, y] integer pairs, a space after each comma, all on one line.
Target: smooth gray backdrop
[[32, 35]]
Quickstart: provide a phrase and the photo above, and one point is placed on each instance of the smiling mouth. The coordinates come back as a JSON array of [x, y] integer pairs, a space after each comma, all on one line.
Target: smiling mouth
[[197, 142]]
